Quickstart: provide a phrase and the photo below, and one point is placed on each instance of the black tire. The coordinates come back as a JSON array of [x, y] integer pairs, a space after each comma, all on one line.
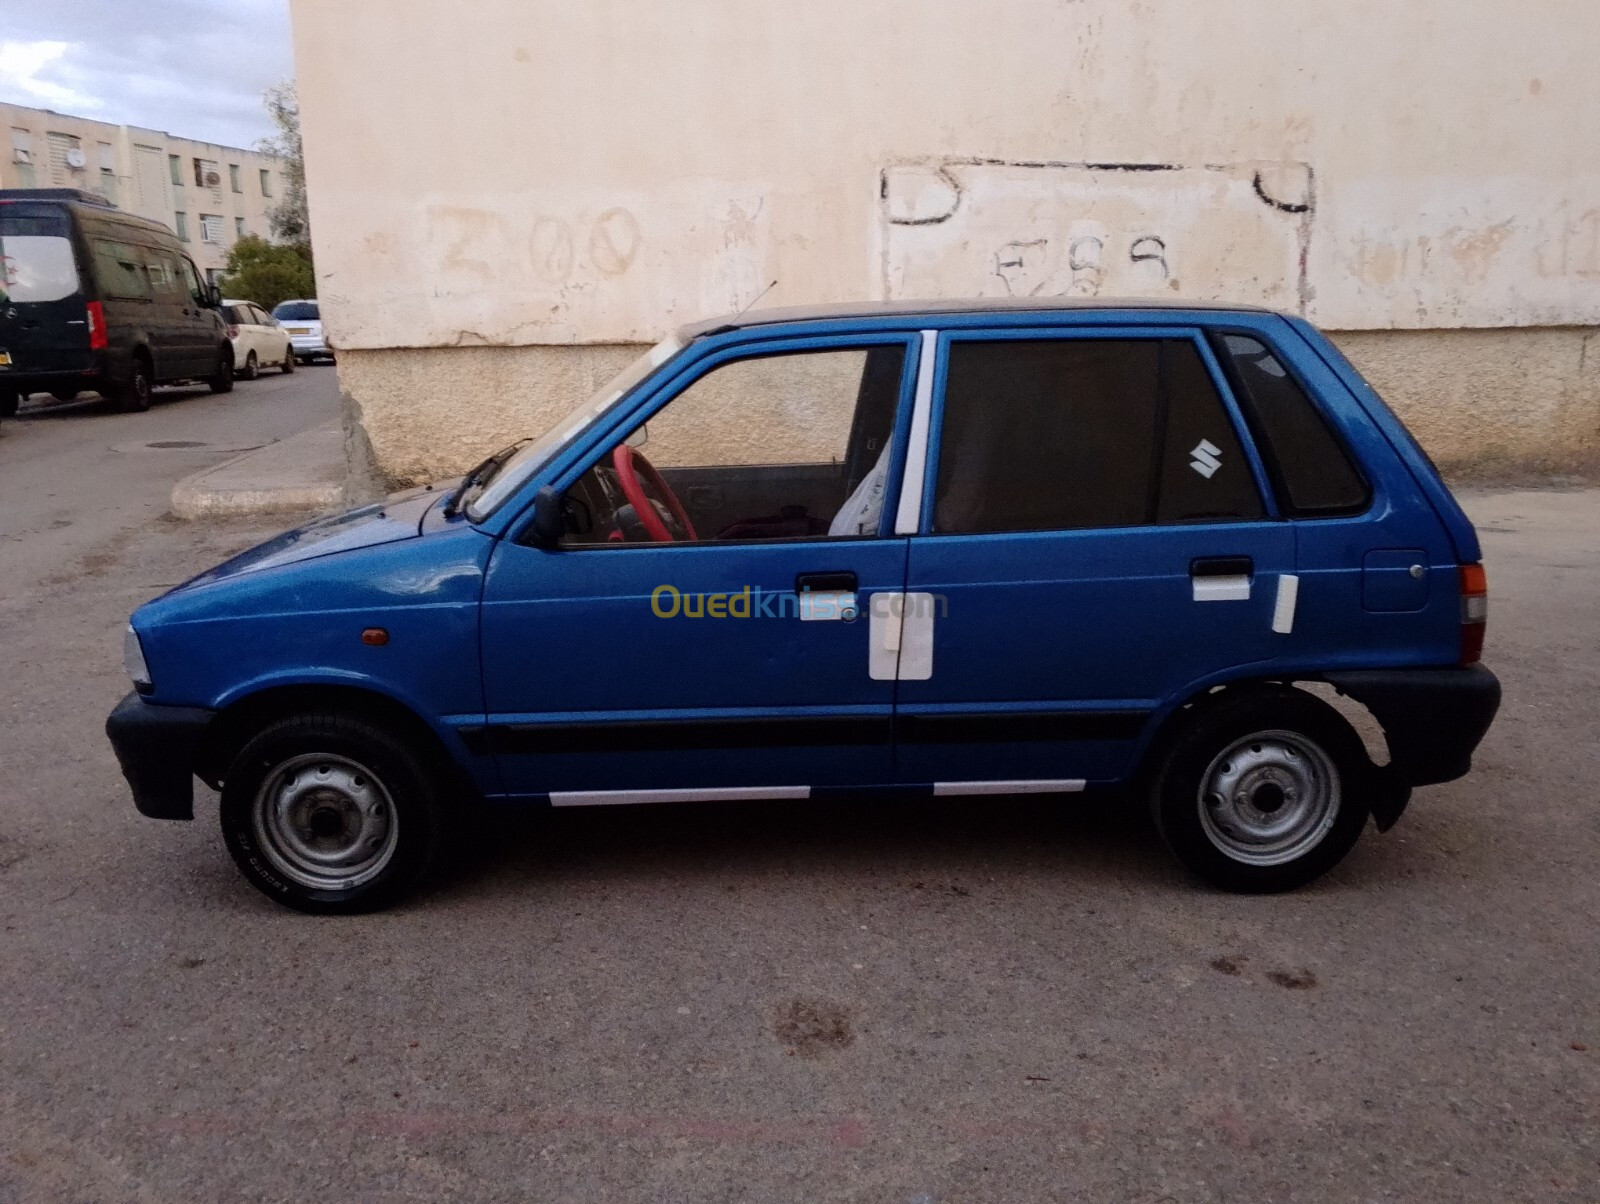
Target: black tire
[[349, 784], [64, 394], [133, 395], [10, 399], [221, 380], [1262, 791], [288, 362], [252, 367]]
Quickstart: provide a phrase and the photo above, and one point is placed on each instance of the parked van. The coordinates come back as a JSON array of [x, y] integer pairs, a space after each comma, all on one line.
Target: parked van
[[95, 298]]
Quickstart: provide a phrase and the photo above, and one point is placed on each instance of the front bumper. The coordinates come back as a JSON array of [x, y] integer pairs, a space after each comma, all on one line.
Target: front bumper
[[1432, 719], [156, 747]]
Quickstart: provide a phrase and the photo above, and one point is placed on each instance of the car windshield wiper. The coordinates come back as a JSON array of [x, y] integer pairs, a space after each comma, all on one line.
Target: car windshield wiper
[[481, 475]]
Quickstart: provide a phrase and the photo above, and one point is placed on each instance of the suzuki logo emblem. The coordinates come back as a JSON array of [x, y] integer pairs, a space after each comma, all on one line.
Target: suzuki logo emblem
[[1206, 458]]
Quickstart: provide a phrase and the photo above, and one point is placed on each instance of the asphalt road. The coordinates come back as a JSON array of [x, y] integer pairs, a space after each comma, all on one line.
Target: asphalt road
[[964, 1000]]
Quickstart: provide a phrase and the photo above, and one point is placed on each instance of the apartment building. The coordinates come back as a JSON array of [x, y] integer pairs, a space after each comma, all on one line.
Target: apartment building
[[209, 195]]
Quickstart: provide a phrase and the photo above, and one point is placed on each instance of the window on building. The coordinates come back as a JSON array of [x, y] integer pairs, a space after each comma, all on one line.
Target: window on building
[[233, 178], [108, 184], [22, 157], [1076, 433], [181, 225], [175, 166], [238, 227], [1311, 472], [206, 173], [66, 158], [211, 227], [266, 182]]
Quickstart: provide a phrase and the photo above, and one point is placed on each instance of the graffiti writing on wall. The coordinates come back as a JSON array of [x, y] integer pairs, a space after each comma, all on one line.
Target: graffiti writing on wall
[[985, 227]]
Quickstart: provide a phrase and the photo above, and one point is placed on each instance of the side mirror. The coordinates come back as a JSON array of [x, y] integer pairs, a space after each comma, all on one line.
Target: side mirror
[[549, 520], [214, 296]]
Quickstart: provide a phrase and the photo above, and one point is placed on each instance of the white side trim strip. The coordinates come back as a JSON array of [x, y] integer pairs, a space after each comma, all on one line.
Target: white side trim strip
[[908, 516], [1288, 595], [1222, 589], [708, 794], [1024, 786]]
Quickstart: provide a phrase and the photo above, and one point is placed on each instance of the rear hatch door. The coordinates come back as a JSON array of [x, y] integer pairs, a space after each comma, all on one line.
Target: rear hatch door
[[44, 324]]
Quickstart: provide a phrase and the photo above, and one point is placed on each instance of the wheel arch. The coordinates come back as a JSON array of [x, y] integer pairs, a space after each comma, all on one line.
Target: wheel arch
[[238, 721], [1389, 795]]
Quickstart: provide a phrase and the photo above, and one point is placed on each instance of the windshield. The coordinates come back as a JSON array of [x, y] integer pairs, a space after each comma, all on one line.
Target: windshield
[[36, 260], [298, 311], [533, 456]]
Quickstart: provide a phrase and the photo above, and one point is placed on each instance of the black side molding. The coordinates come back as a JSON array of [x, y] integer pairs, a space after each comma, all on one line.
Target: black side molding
[[156, 747], [1433, 719]]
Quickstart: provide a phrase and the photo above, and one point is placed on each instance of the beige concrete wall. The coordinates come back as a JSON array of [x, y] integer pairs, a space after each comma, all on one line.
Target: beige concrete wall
[[1484, 403], [568, 173], [140, 176]]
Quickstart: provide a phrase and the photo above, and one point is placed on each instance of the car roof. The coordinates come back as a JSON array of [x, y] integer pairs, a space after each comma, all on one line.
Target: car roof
[[859, 310], [240, 301]]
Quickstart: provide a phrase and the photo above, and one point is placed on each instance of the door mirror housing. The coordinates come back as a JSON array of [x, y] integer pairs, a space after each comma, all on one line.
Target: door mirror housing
[[549, 520], [214, 296]]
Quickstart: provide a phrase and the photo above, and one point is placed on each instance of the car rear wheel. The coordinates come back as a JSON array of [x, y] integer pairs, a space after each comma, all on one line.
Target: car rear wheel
[[252, 367], [221, 379], [1262, 791], [133, 395], [330, 814], [10, 399], [288, 361]]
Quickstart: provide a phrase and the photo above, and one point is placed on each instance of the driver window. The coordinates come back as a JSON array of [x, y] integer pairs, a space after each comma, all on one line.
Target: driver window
[[791, 446]]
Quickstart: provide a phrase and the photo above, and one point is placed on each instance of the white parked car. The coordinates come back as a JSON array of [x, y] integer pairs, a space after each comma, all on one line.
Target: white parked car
[[258, 341], [303, 320]]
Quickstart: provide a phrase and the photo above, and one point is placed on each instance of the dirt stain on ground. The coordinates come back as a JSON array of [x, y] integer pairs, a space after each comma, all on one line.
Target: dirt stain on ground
[[812, 1027], [1293, 980]]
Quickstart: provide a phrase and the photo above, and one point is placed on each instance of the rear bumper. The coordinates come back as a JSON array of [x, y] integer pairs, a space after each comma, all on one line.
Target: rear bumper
[[1432, 719], [156, 747], [310, 344], [44, 382]]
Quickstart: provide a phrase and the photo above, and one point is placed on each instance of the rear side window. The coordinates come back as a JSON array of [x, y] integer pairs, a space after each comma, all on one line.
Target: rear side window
[[36, 260], [120, 271], [1080, 433], [1310, 469]]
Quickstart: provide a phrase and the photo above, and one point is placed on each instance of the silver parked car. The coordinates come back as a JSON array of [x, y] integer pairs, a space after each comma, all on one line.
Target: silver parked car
[[303, 320]]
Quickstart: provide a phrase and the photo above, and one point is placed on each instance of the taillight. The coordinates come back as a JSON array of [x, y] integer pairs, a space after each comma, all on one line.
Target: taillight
[[97, 327], [233, 332], [1474, 611]]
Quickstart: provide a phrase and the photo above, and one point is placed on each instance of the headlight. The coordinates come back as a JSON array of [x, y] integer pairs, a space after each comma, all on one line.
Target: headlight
[[133, 659]]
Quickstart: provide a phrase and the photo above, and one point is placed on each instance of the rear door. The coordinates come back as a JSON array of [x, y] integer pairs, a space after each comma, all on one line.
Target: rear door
[[1094, 541], [43, 308]]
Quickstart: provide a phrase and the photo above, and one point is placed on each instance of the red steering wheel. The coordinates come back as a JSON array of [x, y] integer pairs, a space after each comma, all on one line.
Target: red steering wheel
[[631, 466]]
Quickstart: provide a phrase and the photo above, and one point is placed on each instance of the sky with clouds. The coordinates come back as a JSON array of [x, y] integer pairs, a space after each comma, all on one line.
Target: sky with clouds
[[195, 68]]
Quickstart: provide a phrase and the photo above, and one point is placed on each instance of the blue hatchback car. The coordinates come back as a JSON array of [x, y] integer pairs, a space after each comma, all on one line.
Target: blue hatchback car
[[939, 549]]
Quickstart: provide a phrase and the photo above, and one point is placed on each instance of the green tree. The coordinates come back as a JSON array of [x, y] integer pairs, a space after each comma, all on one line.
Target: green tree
[[267, 273], [291, 218]]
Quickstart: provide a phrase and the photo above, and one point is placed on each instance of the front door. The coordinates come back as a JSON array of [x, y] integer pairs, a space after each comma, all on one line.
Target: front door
[[702, 629], [1097, 543]]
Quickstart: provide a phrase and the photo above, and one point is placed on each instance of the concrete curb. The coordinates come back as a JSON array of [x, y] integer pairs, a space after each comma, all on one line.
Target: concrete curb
[[300, 473]]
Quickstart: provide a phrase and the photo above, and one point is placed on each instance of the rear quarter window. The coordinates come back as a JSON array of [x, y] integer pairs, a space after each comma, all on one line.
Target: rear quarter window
[[1310, 468]]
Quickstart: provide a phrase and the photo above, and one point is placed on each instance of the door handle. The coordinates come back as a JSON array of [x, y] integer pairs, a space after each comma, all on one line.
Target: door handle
[[825, 583], [1222, 566]]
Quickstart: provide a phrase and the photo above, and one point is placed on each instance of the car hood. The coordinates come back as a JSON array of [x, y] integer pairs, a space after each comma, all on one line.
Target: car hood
[[395, 518]]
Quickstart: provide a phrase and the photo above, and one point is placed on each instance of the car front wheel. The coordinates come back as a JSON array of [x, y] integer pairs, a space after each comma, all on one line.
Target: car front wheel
[[1262, 791], [330, 814]]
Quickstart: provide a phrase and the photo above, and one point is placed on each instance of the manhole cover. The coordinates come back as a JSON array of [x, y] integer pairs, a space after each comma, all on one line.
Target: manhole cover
[[165, 443]]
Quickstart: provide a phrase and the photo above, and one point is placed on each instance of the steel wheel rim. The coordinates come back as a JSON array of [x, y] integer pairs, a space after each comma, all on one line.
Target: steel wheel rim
[[325, 822], [1269, 798]]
